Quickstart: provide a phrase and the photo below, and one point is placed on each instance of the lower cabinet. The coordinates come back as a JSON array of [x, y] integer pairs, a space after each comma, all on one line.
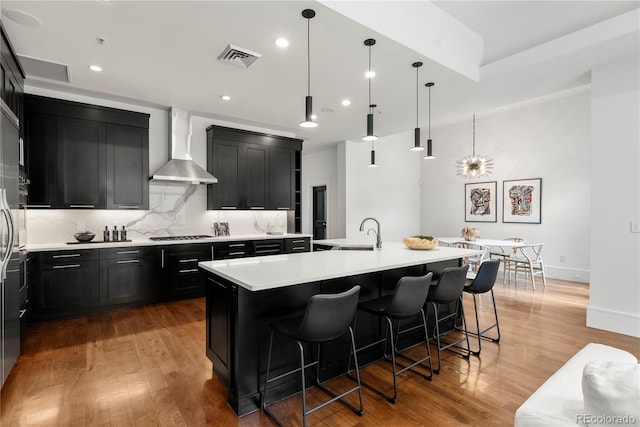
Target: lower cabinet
[[126, 276], [219, 330], [65, 284], [178, 273]]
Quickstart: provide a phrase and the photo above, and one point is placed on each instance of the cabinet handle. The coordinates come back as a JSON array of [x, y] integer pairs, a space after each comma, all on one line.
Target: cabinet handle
[[236, 253], [256, 207], [82, 206], [23, 312], [66, 266], [129, 261], [268, 251], [298, 241], [188, 260], [65, 256], [162, 258], [190, 270], [237, 245], [38, 206], [228, 207], [127, 252], [298, 248], [129, 207], [211, 253], [13, 271], [284, 209]]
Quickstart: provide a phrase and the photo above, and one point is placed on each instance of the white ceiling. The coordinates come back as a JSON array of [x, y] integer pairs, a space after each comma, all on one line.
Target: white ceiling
[[164, 53]]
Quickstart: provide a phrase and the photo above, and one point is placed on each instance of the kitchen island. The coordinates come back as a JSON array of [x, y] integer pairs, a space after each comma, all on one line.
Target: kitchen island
[[243, 296]]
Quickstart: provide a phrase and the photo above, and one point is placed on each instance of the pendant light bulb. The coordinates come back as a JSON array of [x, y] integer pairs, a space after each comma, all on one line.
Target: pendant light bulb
[[474, 166], [370, 136], [373, 157], [429, 155], [308, 122]]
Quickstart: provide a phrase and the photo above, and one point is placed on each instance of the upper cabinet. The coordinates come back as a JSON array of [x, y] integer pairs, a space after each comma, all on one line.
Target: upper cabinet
[[254, 170], [12, 88], [85, 156]]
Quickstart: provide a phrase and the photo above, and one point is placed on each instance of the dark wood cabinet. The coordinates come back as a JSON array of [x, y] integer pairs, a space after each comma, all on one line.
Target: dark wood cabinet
[[219, 330], [11, 75], [126, 276], [41, 168], [86, 156], [233, 249], [127, 167], [178, 272], [267, 247], [282, 178], [81, 164], [297, 244], [254, 170], [65, 284]]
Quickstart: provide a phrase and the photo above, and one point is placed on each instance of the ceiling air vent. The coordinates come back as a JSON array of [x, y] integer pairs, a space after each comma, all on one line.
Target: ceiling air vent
[[45, 70], [238, 56]]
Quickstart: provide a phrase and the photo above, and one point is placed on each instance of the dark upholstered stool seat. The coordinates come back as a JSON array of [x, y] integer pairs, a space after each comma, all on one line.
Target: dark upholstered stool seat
[[326, 318]]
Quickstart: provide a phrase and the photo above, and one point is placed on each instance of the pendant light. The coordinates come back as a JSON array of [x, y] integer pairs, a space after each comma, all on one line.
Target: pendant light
[[429, 142], [370, 136], [416, 132], [474, 166], [308, 111]]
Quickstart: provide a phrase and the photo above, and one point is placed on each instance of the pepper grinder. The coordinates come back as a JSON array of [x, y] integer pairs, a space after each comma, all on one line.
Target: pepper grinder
[[105, 234], [123, 234], [115, 233]]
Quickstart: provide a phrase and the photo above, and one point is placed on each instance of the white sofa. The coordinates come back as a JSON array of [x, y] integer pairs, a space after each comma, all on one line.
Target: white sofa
[[559, 401]]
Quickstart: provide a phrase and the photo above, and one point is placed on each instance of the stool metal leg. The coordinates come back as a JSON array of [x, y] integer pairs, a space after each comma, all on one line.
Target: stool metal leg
[[481, 333]]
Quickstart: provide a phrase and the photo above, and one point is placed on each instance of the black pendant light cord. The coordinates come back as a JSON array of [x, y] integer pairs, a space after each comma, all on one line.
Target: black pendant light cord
[[429, 128], [370, 105], [417, 97], [308, 57]]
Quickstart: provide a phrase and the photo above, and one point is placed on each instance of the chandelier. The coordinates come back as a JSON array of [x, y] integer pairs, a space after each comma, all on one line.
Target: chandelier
[[474, 166]]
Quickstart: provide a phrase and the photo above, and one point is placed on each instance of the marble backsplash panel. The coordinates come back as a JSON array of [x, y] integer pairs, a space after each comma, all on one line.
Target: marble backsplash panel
[[174, 209]]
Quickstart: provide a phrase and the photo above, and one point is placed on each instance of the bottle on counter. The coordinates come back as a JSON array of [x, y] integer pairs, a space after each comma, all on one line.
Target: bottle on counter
[[123, 234], [114, 234], [105, 234]]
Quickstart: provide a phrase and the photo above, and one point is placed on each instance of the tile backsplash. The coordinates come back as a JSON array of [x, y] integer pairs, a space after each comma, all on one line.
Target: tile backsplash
[[174, 209]]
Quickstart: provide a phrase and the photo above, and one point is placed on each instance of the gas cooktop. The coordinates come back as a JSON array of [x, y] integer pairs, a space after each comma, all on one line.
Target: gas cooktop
[[191, 237]]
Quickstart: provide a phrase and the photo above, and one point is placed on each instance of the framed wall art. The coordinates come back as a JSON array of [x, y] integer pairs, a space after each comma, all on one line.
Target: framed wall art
[[480, 201], [522, 201], [221, 229]]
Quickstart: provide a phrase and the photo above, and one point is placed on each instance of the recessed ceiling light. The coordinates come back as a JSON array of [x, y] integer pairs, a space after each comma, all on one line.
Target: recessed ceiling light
[[346, 102], [95, 68], [282, 42], [225, 97], [23, 18]]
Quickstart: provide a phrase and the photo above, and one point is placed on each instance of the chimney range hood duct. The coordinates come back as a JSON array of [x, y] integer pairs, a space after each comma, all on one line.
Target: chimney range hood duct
[[181, 167]]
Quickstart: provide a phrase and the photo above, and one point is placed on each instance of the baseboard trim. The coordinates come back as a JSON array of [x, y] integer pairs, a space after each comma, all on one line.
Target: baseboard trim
[[570, 274], [613, 321]]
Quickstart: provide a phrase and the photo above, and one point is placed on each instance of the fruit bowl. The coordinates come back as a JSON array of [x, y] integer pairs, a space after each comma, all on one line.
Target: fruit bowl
[[423, 243], [84, 236]]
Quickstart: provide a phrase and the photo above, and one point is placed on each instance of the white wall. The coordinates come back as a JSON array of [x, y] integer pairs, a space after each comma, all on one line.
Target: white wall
[[548, 140], [389, 193], [614, 298]]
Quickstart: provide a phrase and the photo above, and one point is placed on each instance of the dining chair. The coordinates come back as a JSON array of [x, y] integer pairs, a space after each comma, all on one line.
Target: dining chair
[[475, 260], [502, 254], [527, 260]]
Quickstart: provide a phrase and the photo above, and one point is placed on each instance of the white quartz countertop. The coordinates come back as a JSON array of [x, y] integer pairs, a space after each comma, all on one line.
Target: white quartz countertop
[[276, 271], [57, 246], [352, 243]]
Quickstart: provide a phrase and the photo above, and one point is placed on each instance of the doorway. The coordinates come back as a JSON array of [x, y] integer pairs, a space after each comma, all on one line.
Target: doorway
[[320, 212]]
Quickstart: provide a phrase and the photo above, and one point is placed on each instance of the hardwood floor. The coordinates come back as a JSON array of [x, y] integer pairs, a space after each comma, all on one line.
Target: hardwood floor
[[147, 367]]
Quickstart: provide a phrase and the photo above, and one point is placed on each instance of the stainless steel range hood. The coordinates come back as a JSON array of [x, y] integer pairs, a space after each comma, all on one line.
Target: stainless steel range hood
[[181, 167]]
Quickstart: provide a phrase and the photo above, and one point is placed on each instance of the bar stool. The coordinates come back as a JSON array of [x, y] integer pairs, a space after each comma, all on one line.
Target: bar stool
[[448, 290], [407, 301], [484, 281], [326, 318]]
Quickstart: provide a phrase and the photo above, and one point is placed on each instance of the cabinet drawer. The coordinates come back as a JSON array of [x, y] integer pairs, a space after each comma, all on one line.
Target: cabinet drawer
[[126, 252], [66, 257], [238, 249], [267, 247], [302, 244]]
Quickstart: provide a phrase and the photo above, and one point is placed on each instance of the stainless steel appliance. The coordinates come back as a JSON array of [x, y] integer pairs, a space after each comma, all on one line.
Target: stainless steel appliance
[[9, 244]]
